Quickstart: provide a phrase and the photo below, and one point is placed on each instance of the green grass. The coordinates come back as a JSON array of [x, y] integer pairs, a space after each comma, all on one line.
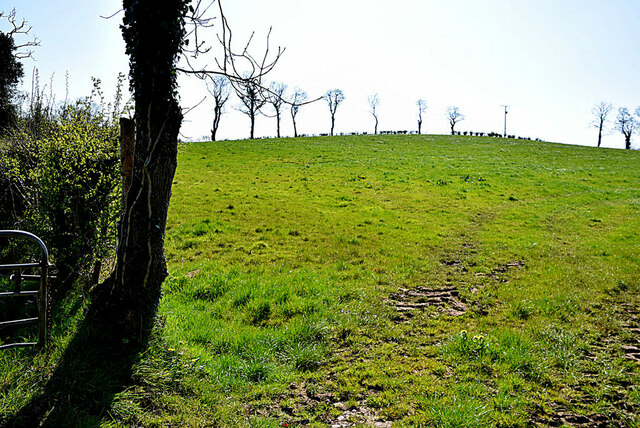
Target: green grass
[[288, 258]]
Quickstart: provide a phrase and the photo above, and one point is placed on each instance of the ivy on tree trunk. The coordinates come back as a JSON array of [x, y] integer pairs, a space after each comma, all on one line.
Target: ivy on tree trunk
[[153, 31]]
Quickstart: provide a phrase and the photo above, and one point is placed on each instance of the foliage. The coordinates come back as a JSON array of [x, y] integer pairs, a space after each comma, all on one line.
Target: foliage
[[62, 181], [10, 74]]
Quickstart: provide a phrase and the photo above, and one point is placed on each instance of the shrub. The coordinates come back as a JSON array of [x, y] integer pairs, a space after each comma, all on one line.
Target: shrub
[[62, 183]]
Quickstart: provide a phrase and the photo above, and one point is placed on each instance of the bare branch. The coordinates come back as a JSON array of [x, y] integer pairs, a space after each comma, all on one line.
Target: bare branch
[[19, 28], [112, 15], [185, 111]]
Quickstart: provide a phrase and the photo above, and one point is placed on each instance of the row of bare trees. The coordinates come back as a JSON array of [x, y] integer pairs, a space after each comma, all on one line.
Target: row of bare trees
[[335, 97], [625, 122], [253, 98]]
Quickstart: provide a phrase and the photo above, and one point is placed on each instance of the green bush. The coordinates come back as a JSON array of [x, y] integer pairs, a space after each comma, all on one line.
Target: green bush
[[63, 184]]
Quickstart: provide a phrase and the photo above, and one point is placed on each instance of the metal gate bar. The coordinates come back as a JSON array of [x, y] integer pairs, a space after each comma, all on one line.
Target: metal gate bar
[[41, 294]]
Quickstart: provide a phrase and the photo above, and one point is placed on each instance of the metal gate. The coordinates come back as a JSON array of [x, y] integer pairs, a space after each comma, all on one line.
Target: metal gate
[[18, 277]]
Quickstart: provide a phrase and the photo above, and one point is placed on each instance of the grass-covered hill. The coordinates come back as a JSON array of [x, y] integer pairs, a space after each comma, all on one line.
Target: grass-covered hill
[[409, 280]]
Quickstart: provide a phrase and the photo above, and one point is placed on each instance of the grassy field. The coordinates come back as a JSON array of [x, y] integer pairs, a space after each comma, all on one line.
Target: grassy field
[[389, 280]]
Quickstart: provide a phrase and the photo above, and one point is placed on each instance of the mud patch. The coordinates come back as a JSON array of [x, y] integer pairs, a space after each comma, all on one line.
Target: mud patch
[[498, 273], [444, 300], [631, 314], [571, 419], [303, 400], [357, 416], [456, 265]]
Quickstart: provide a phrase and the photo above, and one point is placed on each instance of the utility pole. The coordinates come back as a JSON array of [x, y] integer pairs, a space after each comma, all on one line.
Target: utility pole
[[505, 121]]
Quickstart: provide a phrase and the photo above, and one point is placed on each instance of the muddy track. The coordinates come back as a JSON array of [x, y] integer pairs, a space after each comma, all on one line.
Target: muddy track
[[631, 325], [304, 398], [447, 300], [622, 343]]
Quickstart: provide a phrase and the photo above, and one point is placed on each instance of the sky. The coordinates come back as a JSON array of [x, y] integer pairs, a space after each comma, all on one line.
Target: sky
[[550, 61]]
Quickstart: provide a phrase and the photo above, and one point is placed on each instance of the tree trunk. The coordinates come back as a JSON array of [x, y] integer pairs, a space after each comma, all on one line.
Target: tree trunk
[[216, 124], [295, 130], [600, 135], [129, 298], [375, 130], [627, 141], [253, 124], [213, 130], [278, 122], [127, 150], [333, 121], [127, 301], [419, 127]]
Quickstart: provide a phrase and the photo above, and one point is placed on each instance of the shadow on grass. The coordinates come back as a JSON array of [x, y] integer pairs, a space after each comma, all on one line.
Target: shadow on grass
[[95, 366]]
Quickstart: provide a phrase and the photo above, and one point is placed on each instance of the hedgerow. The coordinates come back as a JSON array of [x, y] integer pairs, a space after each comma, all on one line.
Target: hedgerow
[[63, 182]]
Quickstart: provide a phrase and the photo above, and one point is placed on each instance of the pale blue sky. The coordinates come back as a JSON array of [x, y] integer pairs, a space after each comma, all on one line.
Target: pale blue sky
[[550, 60]]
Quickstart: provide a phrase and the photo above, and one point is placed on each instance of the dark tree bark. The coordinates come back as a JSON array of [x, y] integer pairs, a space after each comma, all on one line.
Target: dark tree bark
[[217, 114], [153, 32]]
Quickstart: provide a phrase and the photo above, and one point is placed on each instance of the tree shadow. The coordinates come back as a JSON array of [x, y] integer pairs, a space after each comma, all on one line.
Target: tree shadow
[[96, 365]]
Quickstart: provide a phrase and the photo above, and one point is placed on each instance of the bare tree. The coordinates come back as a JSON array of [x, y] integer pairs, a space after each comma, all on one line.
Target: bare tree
[[422, 107], [22, 50], [374, 102], [220, 89], [627, 125], [11, 70], [244, 70], [275, 97], [298, 99], [454, 115], [250, 93], [600, 112], [333, 97]]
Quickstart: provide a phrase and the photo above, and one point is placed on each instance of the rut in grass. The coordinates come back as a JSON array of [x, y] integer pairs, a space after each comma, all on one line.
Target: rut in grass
[[632, 326], [446, 299]]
